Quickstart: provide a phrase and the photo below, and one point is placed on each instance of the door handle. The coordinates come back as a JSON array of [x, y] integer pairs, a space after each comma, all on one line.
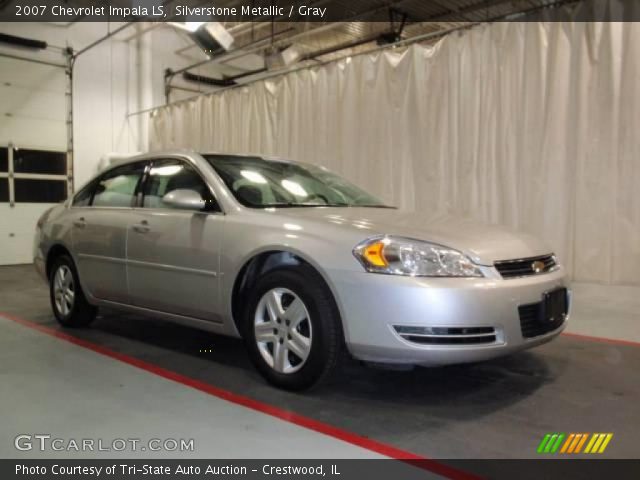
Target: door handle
[[142, 227], [80, 223]]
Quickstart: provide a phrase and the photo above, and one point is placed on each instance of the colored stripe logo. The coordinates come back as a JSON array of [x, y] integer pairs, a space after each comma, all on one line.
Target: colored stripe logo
[[574, 443]]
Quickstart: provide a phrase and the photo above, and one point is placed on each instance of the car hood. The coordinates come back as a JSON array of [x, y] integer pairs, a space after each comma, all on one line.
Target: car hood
[[483, 243]]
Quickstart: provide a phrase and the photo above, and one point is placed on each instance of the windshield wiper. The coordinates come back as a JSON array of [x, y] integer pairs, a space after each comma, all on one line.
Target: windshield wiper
[[311, 205], [301, 205], [376, 206], [289, 205]]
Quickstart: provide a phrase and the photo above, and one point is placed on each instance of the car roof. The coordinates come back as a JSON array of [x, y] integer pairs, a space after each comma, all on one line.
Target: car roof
[[182, 153]]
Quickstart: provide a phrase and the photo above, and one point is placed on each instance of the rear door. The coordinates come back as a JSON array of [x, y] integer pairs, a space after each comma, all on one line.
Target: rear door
[[173, 255], [101, 215]]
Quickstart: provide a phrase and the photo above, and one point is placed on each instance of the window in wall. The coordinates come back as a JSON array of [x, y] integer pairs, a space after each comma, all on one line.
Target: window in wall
[[39, 176], [4, 160], [39, 161], [4, 190], [40, 191], [4, 175]]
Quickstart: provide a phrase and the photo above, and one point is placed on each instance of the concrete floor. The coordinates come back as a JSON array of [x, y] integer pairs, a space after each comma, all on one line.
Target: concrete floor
[[496, 409]]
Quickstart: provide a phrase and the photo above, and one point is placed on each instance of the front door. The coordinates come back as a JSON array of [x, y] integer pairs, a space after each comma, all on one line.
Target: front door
[[101, 215], [173, 254]]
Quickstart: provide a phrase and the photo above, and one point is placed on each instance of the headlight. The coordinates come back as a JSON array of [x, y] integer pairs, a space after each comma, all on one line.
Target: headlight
[[404, 256]]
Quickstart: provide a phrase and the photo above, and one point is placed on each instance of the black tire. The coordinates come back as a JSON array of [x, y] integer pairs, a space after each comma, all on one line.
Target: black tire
[[79, 313], [327, 341]]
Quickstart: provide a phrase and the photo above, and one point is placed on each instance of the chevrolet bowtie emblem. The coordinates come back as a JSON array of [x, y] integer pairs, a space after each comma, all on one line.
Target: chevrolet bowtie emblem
[[537, 266]]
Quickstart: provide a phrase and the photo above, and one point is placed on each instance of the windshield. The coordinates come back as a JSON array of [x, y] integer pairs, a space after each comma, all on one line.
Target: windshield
[[259, 183]]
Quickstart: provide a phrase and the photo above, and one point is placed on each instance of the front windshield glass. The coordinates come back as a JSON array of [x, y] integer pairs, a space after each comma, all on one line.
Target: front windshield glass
[[259, 183]]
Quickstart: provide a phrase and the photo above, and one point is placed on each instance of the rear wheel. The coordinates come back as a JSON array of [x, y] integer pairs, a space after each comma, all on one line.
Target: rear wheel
[[67, 299], [292, 328]]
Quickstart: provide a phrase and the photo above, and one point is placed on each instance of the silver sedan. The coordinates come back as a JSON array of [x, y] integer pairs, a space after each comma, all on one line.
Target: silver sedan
[[301, 264]]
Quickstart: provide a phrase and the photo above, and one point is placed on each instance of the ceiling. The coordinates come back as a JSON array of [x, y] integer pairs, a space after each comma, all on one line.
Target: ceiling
[[367, 19], [363, 19], [364, 22]]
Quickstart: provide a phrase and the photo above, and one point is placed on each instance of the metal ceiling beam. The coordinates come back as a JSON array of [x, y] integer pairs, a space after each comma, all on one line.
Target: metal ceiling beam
[[323, 28], [330, 26], [146, 29], [403, 42], [240, 52], [239, 29], [102, 39], [473, 8], [111, 34]]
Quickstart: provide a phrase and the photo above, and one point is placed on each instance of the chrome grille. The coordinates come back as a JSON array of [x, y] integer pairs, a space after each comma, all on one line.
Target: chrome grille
[[525, 267], [447, 335]]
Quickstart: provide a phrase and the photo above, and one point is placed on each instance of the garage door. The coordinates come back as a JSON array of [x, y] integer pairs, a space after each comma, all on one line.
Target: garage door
[[33, 162]]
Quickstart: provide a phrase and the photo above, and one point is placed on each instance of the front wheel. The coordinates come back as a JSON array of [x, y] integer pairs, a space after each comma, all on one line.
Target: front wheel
[[292, 328], [67, 298]]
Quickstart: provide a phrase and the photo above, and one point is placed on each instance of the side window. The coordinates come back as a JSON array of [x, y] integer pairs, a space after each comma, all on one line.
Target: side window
[[117, 188], [166, 176], [83, 197]]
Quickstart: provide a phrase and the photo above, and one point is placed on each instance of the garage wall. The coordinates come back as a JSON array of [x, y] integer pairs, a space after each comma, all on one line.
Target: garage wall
[[32, 116], [32, 99], [532, 125], [106, 88], [120, 75], [33, 111]]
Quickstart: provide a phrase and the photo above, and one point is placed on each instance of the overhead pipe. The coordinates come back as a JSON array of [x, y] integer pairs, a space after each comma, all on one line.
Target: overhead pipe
[[111, 34], [325, 27], [239, 29], [22, 42], [215, 82], [102, 39], [256, 45], [33, 60], [403, 42]]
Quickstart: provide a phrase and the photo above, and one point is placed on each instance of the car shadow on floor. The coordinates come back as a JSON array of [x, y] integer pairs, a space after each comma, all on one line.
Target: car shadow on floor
[[435, 395]]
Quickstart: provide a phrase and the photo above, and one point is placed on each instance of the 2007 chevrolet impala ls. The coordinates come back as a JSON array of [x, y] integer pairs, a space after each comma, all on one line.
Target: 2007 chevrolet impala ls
[[299, 263]]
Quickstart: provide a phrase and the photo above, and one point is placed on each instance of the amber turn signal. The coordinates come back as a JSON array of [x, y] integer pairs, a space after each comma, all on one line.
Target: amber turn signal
[[374, 254]]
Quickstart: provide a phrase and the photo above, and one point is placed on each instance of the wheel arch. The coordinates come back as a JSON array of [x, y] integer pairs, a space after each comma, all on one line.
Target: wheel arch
[[262, 262], [55, 251]]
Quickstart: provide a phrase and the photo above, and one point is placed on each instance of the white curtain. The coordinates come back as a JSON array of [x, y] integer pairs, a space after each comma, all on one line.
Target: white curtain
[[533, 125]]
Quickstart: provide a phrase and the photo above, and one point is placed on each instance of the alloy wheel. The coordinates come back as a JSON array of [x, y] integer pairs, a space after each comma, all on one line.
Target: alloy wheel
[[283, 330], [63, 290]]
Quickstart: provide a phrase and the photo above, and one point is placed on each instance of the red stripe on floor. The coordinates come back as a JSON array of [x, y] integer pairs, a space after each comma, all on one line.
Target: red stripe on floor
[[291, 417], [614, 341]]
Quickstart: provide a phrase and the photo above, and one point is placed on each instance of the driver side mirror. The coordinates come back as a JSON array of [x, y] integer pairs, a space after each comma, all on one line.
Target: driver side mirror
[[184, 199]]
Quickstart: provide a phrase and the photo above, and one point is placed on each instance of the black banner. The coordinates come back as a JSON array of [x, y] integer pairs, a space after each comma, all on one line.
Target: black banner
[[121, 469], [410, 11]]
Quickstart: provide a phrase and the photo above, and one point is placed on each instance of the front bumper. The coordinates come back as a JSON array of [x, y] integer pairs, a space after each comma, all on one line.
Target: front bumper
[[372, 304]]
